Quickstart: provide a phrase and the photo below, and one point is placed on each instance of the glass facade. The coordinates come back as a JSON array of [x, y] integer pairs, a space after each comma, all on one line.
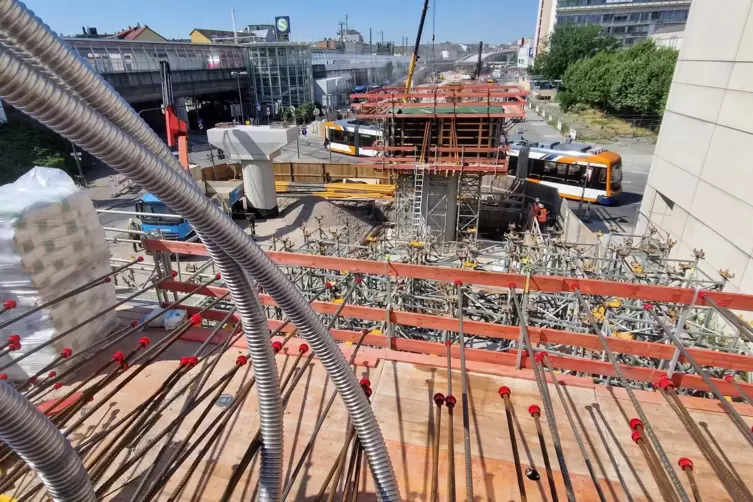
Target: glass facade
[[628, 21], [117, 56], [280, 73]]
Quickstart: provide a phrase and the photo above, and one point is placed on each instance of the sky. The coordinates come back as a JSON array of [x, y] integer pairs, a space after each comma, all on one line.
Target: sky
[[464, 21]]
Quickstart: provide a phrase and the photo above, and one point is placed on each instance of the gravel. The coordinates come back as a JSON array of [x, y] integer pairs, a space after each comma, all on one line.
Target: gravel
[[352, 220]]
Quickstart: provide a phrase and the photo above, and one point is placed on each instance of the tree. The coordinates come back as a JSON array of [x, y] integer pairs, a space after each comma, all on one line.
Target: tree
[[568, 44], [304, 113]]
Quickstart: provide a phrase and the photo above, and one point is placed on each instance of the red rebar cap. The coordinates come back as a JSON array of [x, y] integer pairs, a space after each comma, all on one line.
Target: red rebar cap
[[328, 285], [14, 346], [10, 304], [512, 285], [447, 343], [106, 280], [635, 423], [140, 259], [183, 361], [439, 399], [729, 378], [665, 383], [196, 320], [504, 391], [193, 361], [218, 276], [14, 339], [3, 376], [241, 360], [303, 348], [367, 391], [450, 401], [702, 295], [144, 342], [134, 324], [636, 436], [458, 283], [365, 382], [647, 306], [685, 462], [66, 352], [52, 374], [539, 357], [58, 385], [276, 347], [534, 410], [358, 279], [364, 331], [33, 380], [118, 357]]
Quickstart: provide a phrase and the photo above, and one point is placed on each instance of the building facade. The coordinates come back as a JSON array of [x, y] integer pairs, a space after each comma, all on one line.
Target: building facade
[[280, 73], [700, 184], [525, 53], [629, 21]]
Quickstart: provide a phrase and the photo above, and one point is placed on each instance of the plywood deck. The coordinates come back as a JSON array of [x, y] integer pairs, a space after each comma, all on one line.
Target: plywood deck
[[403, 406]]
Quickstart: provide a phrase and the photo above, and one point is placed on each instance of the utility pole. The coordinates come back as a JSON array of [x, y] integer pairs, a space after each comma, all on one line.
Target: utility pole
[[342, 31], [235, 31], [370, 49]]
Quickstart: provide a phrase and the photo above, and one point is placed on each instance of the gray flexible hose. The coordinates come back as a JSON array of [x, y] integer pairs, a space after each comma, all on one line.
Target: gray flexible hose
[[41, 445], [30, 91], [256, 330], [30, 38]]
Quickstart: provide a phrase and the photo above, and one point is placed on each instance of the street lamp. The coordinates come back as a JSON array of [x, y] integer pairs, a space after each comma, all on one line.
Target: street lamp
[[240, 96]]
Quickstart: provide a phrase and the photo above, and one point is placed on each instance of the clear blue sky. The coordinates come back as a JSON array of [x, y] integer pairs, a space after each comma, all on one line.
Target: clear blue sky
[[493, 21]]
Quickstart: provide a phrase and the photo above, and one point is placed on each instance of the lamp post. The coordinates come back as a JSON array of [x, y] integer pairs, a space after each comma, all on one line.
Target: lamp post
[[240, 96]]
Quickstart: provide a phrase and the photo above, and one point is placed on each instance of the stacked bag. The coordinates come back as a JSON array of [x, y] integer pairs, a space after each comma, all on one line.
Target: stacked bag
[[51, 242]]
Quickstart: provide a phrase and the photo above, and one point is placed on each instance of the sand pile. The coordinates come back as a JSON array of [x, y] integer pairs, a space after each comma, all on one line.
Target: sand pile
[[351, 222]]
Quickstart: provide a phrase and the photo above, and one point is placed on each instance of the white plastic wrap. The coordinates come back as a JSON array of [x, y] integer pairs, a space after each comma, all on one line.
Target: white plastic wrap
[[51, 242]]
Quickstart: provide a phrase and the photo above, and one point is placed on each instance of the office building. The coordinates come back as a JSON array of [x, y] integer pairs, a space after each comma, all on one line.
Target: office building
[[628, 20], [700, 182], [280, 73]]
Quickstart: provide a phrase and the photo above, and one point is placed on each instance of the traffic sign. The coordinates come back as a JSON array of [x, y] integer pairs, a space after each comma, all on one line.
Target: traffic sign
[[304, 131], [201, 124]]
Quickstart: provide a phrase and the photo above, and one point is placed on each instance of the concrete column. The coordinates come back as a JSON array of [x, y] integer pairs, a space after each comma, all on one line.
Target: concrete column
[[452, 208], [259, 187]]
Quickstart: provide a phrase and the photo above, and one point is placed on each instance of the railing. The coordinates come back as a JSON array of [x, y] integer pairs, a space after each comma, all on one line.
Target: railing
[[333, 58], [123, 56]]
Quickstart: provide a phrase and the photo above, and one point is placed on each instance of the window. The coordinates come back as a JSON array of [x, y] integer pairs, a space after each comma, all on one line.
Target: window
[[619, 29], [619, 18], [656, 15], [645, 16], [606, 18], [549, 167], [635, 16], [561, 169]]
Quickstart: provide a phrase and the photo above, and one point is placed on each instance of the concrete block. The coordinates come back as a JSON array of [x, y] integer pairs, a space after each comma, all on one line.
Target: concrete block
[[726, 214], [720, 253], [695, 101], [745, 51], [684, 141], [252, 142], [737, 111], [724, 160], [674, 183], [705, 73], [711, 36], [741, 78]]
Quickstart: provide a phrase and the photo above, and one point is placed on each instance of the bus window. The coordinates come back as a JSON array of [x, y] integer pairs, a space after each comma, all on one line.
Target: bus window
[[617, 176], [350, 138], [561, 169], [337, 136], [366, 141], [512, 164], [549, 167]]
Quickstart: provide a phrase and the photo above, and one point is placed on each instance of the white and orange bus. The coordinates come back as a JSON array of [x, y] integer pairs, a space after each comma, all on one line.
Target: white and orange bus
[[575, 170], [353, 137]]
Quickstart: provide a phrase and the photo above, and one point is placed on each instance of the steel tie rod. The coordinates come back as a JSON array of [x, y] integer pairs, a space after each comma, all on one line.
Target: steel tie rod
[[465, 403], [634, 400], [739, 422], [545, 397]]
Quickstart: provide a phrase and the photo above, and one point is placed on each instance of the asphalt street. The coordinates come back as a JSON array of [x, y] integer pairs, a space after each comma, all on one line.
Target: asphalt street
[[636, 162]]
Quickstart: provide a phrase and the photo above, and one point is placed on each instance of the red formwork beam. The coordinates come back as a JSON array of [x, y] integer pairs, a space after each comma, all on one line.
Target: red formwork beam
[[503, 359], [704, 357], [500, 168], [542, 283]]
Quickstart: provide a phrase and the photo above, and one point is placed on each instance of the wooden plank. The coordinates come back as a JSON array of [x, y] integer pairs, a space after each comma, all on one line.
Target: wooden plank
[[543, 283]]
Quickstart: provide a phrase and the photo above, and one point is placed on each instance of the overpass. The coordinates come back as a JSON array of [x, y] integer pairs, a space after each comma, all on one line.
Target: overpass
[[132, 67], [507, 56]]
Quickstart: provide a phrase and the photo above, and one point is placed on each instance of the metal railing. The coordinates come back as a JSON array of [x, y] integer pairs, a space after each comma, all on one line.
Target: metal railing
[[124, 56]]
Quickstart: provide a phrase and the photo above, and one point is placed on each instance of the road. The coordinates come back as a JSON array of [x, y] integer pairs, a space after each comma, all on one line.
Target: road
[[636, 162]]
